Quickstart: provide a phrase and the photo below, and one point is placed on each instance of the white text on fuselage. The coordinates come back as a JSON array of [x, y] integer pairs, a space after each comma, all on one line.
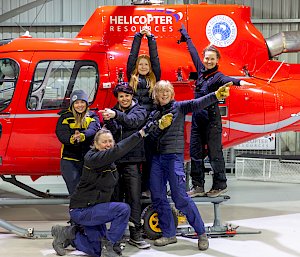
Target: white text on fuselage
[[136, 23]]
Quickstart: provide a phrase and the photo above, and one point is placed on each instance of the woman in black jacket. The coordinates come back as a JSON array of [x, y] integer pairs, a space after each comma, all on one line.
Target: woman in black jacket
[[143, 72], [124, 119], [75, 129]]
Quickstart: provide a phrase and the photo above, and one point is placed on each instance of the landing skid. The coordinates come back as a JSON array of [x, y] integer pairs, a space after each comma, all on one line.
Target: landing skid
[[28, 232], [12, 179], [217, 229]]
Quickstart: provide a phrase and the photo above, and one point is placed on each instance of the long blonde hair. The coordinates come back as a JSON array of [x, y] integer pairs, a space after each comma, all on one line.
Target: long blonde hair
[[150, 77]]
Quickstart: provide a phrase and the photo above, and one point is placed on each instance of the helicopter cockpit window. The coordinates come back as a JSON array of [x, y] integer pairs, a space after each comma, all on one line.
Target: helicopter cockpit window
[[54, 81], [9, 71]]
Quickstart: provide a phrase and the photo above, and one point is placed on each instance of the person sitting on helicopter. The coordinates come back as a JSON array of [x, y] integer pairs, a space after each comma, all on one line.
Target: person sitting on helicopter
[[143, 72], [90, 205], [75, 129]]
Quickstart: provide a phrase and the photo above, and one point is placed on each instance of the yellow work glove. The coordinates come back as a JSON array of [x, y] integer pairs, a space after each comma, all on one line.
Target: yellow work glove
[[82, 137], [223, 91], [165, 121], [72, 139]]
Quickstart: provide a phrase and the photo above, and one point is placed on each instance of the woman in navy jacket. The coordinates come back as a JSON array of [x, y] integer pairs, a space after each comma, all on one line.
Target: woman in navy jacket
[[168, 159], [207, 125]]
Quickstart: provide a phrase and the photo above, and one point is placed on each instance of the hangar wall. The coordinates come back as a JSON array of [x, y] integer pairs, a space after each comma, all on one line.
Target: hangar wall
[[64, 18]]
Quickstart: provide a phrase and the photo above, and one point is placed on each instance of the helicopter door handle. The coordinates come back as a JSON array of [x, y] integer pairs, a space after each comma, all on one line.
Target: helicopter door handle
[[4, 114]]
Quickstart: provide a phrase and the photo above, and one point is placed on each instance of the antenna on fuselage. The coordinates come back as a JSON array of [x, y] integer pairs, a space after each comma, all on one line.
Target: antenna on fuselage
[[148, 2]]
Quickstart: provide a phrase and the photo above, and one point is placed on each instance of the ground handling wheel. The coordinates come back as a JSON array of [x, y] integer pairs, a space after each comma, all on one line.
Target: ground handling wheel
[[150, 218]]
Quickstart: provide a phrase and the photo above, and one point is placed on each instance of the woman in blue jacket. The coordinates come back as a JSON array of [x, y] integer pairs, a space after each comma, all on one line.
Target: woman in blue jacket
[[168, 159]]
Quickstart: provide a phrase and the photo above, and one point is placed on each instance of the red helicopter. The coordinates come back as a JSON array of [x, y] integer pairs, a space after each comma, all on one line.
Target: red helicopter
[[37, 76]]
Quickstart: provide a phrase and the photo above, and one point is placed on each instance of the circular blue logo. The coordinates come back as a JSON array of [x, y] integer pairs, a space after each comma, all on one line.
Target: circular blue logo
[[221, 31]]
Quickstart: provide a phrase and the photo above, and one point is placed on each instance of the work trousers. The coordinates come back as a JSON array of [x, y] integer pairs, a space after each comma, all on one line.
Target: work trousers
[[207, 133], [130, 189], [93, 221], [71, 172], [169, 167]]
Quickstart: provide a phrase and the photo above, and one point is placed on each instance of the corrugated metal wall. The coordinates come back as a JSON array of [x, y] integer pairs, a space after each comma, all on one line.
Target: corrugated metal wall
[[64, 18]]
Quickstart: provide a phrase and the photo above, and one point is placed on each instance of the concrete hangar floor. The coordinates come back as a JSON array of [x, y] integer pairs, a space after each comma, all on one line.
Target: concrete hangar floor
[[272, 208]]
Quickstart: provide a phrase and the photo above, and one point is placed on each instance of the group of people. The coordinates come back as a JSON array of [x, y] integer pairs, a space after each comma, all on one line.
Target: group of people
[[140, 142]]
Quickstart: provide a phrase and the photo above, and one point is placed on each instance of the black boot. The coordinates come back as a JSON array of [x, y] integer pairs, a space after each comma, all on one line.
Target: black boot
[[107, 249], [136, 237], [61, 234], [119, 247]]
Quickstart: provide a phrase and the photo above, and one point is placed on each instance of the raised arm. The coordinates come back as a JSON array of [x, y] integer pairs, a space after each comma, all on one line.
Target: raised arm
[[95, 158], [192, 49], [154, 56], [134, 52], [204, 101]]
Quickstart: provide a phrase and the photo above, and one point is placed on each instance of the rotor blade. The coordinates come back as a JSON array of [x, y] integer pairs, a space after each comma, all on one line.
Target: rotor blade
[[22, 9]]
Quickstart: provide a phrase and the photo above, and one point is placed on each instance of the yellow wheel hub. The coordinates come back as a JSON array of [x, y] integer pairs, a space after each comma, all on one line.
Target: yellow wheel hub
[[153, 222]]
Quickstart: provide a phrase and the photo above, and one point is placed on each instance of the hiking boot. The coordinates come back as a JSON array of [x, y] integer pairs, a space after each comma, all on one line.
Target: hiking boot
[[62, 234], [196, 191], [107, 249], [136, 238], [216, 192], [165, 241], [203, 243]]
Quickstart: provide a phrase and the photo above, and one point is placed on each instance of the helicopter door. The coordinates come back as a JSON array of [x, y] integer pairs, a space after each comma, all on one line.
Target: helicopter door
[[33, 143], [9, 72]]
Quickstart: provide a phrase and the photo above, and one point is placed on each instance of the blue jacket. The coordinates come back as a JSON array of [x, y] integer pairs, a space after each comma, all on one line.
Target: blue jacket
[[208, 81], [171, 140]]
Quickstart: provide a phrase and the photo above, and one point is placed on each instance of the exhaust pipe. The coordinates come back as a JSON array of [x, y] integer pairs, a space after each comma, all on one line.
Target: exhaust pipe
[[284, 42]]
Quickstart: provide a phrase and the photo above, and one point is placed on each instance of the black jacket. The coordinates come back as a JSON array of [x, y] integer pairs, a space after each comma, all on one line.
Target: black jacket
[[171, 140], [99, 175], [142, 93], [125, 124], [65, 128]]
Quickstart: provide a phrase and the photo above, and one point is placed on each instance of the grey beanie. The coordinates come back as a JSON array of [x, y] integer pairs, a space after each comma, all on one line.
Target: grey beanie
[[78, 95]]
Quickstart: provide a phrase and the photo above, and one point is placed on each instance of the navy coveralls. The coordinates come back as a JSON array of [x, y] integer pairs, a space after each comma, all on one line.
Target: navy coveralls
[[90, 204], [207, 126], [167, 165]]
